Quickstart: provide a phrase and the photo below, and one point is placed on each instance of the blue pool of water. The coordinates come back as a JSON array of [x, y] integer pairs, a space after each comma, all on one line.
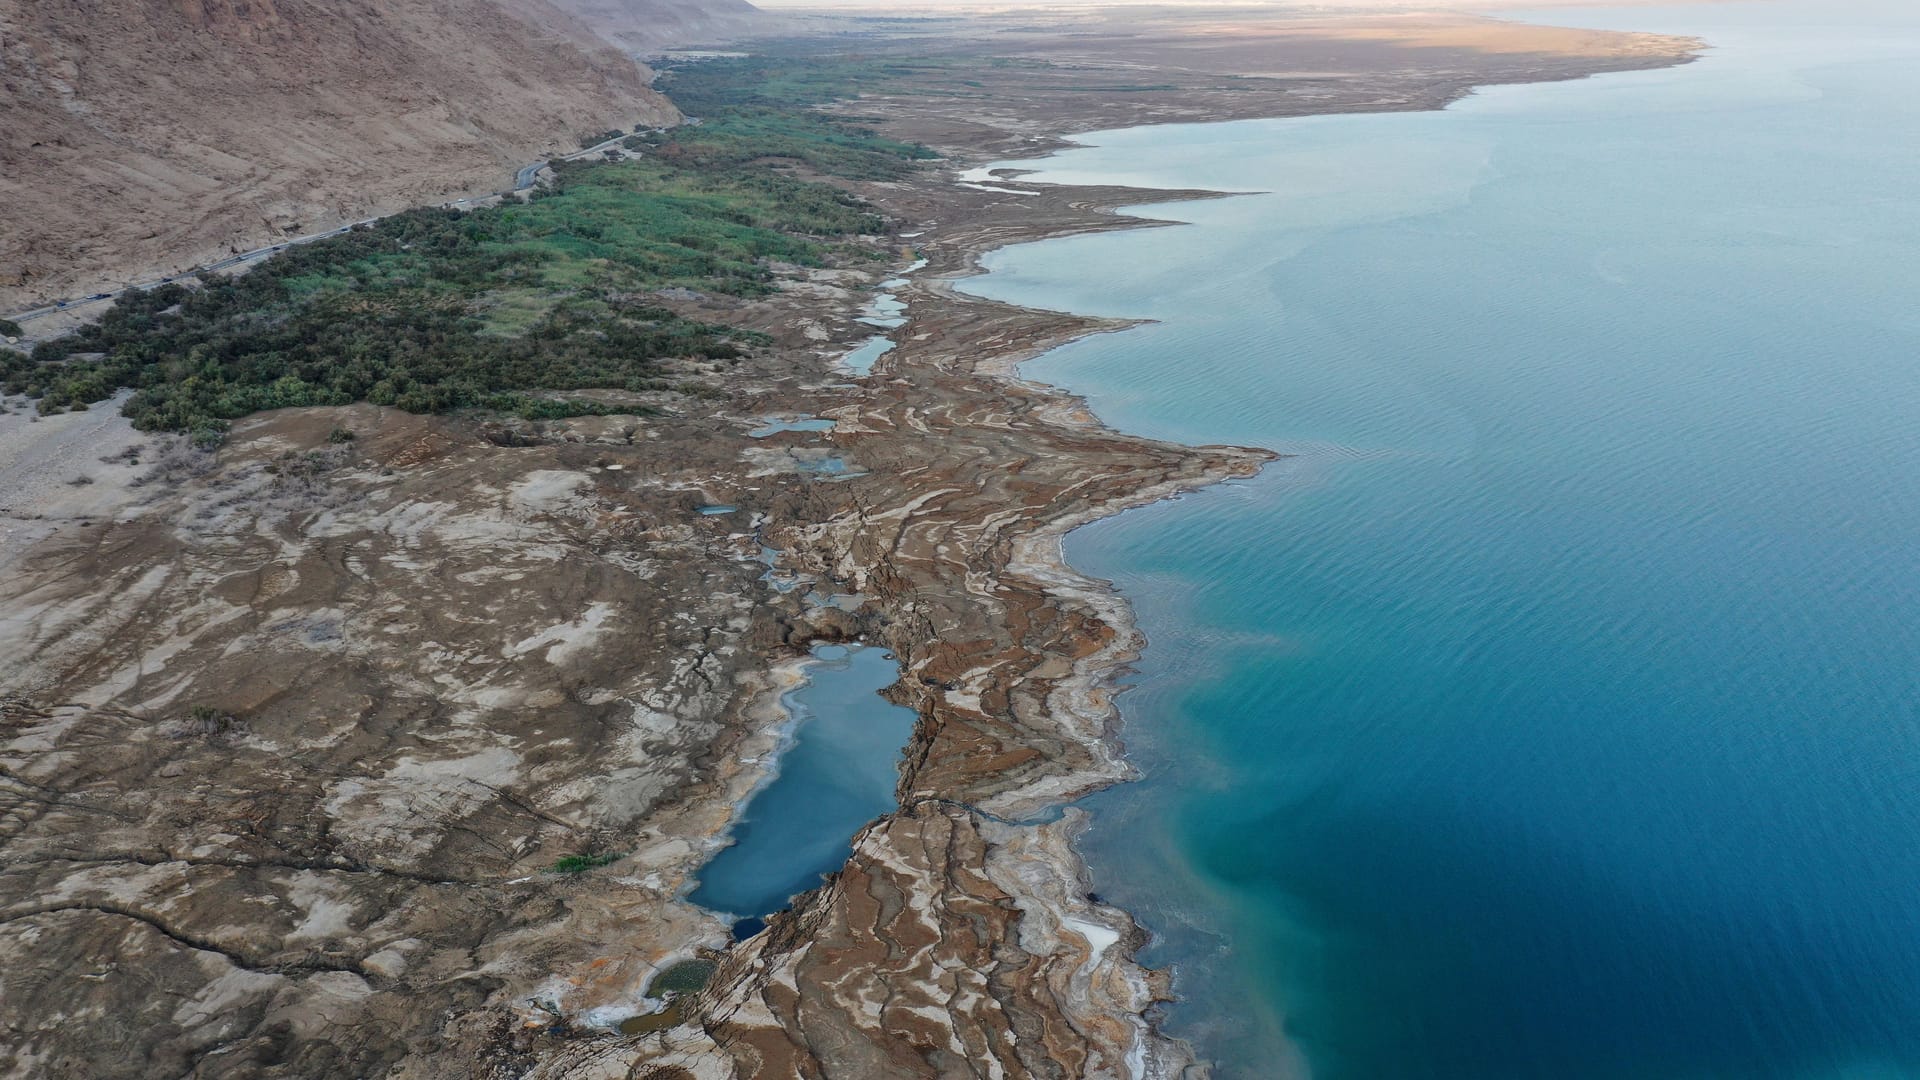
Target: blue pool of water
[[837, 774], [1554, 709], [860, 361], [805, 423], [887, 311], [832, 467]]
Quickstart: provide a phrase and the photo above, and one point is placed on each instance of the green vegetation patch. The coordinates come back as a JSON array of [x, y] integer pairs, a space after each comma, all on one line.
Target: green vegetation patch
[[434, 310], [580, 864], [757, 107], [437, 309], [658, 222]]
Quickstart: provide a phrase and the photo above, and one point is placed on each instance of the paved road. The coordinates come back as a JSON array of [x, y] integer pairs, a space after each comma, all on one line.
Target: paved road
[[522, 180]]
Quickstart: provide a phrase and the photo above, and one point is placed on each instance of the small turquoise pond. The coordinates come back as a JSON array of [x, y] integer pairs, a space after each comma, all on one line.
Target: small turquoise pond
[[836, 776], [860, 361], [827, 466], [805, 423], [887, 311]]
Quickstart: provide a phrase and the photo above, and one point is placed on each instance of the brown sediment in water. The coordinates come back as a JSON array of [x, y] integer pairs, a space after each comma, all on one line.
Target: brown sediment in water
[[462, 653]]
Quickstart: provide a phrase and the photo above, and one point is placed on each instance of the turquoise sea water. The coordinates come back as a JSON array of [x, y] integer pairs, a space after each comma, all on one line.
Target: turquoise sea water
[[1554, 711]]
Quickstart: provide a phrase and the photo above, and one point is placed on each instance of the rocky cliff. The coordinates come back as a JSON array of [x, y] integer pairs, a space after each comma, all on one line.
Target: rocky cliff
[[147, 135]]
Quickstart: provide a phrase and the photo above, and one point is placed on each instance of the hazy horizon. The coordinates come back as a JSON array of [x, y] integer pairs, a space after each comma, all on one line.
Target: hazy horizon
[[927, 7]]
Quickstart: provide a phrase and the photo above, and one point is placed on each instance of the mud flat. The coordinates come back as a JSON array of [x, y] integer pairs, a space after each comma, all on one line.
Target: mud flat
[[399, 755]]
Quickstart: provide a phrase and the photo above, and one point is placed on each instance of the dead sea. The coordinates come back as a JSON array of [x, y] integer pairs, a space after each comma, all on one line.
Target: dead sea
[[1550, 708]]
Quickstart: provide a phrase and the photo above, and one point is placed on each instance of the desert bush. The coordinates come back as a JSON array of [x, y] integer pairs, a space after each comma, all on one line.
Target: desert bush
[[577, 864]]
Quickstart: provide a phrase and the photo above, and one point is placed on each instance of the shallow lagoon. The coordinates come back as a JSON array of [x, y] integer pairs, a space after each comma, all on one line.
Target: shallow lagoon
[[836, 775], [1554, 710], [775, 426], [861, 360]]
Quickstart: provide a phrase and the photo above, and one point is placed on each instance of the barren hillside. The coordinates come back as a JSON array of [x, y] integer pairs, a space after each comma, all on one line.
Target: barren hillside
[[646, 25], [155, 134]]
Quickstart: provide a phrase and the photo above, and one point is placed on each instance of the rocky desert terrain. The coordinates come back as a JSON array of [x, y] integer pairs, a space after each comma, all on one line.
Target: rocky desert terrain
[[376, 744]]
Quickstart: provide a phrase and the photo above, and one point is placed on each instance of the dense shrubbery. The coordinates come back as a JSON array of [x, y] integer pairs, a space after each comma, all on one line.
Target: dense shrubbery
[[395, 314], [579, 864], [656, 222], [434, 310], [437, 309], [758, 107], [791, 78], [750, 135]]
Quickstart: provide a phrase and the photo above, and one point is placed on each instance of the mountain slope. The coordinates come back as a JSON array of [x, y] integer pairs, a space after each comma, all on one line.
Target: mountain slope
[[156, 134], [645, 25]]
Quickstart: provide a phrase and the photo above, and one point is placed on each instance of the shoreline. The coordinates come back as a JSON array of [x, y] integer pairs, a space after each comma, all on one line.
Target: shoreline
[[1091, 695], [1087, 700], [962, 926]]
